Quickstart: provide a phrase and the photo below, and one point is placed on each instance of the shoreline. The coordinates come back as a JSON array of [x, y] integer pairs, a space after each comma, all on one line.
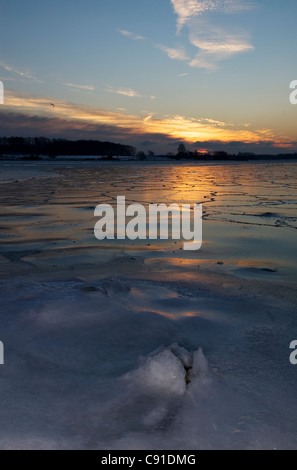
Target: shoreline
[[147, 162]]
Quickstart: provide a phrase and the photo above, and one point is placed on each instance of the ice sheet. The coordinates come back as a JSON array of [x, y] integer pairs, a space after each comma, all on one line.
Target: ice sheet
[[141, 345]]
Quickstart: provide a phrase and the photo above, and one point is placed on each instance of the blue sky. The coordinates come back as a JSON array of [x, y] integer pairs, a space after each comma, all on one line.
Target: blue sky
[[159, 71]]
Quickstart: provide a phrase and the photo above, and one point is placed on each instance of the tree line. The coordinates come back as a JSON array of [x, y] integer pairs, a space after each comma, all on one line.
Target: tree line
[[34, 147], [54, 147]]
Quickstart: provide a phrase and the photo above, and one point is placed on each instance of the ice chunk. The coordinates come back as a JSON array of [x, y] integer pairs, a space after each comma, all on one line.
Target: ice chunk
[[163, 373], [200, 363], [183, 355], [200, 368]]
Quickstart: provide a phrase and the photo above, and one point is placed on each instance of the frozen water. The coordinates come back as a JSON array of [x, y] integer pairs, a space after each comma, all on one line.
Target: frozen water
[[86, 369], [132, 346]]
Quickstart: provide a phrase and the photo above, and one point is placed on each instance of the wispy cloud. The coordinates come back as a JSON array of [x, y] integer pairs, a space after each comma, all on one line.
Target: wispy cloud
[[130, 35], [80, 87], [8, 79], [123, 91], [129, 92], [169, 126], [215, 44], [205, 20], [178, 53], [187, 9], [19, 73], [148, 117]]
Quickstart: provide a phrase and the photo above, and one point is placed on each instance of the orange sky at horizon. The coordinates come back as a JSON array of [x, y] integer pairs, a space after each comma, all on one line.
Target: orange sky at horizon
[[183, 128]]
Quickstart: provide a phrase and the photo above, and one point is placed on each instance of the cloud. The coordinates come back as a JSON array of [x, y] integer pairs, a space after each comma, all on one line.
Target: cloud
[[34, 115], [215, 44], [148, 117], [178, 54], [28, 126], [210, 31], [187, 9], [6, 79], [127, 92], [19, 73], [130, 35], [123, 91], [80, 87]]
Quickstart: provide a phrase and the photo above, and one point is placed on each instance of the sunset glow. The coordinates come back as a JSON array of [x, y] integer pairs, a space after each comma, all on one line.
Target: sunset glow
[[152, 75], [176, 127]]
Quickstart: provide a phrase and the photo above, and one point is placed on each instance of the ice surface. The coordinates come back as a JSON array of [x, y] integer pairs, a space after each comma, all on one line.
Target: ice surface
[[86, 369], [135, 346]]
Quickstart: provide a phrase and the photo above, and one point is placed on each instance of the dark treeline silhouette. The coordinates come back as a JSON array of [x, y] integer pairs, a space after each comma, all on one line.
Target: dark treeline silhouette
[[34, 148], [183, 153], [53, 147]]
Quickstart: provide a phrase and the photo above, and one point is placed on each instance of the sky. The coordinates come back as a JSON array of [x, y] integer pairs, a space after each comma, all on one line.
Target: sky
[[214, 74]]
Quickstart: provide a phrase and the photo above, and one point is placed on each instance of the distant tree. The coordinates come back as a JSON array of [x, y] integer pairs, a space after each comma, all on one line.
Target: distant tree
[[150, 153], [220, 155], [181, 151], [141, 155]]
